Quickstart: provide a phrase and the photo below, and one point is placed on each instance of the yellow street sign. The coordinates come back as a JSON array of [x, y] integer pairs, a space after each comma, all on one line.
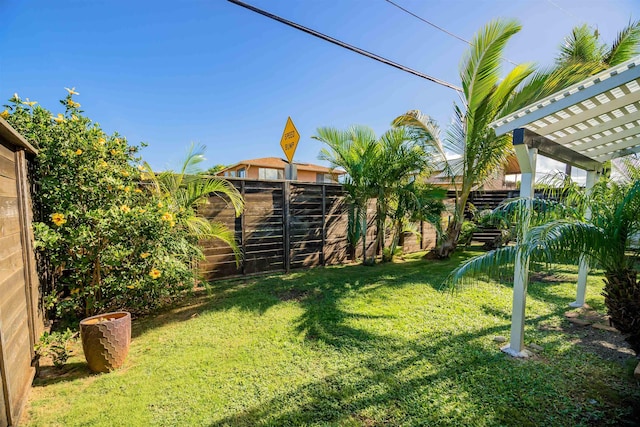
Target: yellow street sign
[[290, 138]]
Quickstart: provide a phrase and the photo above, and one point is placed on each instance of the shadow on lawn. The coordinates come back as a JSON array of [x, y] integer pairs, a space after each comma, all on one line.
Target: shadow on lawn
[[386, 380], [395, 380], [49, 375]]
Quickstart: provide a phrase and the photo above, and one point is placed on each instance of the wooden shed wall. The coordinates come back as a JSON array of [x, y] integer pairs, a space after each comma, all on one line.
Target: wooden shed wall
[[20, 322], [288, 225]]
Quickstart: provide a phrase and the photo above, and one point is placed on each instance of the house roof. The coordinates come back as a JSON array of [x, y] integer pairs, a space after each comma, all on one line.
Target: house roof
[[10, 134], [278, 163], [586, 124]]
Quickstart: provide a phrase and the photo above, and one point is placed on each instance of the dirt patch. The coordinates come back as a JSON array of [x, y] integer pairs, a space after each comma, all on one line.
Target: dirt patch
[[293, 295], [594, 332], [544, 277]]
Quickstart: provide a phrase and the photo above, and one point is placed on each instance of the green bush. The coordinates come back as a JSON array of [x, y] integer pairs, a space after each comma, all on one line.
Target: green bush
[[466, 233], [113, 242], [56, 345]]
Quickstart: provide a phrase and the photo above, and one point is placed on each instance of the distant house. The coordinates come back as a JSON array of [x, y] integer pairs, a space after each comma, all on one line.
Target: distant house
[[501, 179], [274, 168]]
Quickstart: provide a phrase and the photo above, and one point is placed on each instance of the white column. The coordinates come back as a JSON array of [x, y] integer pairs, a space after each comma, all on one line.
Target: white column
[[583, 270], [527, 158]]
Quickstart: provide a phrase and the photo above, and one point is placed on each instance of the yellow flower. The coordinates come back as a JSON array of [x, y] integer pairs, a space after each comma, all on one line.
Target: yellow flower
[[155, 273], [142, 210], [5, 114], [59, 118], [130, 287], [167, 216], [172, 224], [74, 118], [127, 189], [103, 164], [141, 168], [78, 152], [71, 91], [159, 204], [125, 208], [144, 255], [114, 152], [72, 103], [125, 173], [58, 219], [137, 190], [29, 103], [102, 141]]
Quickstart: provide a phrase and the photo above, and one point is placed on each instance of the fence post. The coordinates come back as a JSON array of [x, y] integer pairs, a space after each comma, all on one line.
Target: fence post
[[243, 232], [286, 195], [324, 225]]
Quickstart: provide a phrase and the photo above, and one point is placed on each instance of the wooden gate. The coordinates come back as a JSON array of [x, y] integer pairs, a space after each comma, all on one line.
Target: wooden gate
[[20, 322]]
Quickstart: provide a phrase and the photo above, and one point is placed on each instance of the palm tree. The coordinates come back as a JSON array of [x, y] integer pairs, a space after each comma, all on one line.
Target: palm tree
[[188, 189], [353, 150], [479, 150], [379, 169], [401, 158], [604, 241]]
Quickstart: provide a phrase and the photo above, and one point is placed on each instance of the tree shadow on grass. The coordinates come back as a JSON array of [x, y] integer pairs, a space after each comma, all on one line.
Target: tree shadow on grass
[[458, 381], [49, 374]]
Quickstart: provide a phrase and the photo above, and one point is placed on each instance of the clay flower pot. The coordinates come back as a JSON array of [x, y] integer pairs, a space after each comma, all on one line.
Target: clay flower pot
[[105, 340]]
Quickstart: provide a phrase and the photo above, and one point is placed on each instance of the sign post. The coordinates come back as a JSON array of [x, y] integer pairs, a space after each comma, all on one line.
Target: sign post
[[289, 143]]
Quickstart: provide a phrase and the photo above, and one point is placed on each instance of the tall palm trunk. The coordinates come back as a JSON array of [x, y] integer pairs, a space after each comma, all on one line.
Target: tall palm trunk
[[622, 298]]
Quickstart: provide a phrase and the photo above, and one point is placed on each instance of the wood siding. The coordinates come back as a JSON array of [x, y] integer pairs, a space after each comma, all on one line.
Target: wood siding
[[20, 324], [288, 225]]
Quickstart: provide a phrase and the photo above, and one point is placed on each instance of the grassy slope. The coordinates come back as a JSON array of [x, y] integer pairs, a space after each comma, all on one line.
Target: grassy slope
[[347, 346]]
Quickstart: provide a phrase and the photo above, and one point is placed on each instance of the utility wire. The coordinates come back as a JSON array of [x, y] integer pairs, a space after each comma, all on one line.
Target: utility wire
[[428, 22], [346, 46], [438, 27]]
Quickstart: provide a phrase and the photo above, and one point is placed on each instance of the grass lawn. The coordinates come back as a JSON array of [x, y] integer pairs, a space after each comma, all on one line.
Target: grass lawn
[[350, 346]]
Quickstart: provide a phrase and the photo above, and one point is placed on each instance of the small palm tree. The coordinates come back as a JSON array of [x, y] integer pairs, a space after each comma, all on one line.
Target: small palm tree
[[479, 151], [604, 241], [187, 189], [353, 150]]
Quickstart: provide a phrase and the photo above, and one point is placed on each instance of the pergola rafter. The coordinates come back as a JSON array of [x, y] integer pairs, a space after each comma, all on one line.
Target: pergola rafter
[[584, 125]]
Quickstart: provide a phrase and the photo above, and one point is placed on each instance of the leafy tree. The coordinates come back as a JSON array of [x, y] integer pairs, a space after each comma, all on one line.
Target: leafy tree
[[112, 241]]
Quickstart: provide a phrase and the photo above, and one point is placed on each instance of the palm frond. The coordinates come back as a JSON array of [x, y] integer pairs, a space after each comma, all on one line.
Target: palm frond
[[626, 45], [480, 70], [487, 264]]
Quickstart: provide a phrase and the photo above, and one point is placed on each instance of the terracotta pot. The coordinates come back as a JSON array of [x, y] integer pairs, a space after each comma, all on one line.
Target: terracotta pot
[[105, 340]]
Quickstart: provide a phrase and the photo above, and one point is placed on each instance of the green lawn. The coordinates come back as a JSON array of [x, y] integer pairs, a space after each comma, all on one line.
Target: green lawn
[[351, 346]]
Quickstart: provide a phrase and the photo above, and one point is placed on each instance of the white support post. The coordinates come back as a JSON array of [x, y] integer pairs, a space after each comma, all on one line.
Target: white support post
[[527, 158], [583, 270]]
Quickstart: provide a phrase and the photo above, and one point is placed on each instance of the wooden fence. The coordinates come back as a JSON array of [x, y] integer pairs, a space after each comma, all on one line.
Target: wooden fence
[[288, 225], [21, 321]]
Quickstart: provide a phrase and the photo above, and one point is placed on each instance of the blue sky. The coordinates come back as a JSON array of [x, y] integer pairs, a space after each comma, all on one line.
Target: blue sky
[[210, 72]]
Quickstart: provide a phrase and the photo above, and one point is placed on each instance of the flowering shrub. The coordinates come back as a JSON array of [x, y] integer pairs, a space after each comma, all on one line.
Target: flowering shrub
[[112, 240]]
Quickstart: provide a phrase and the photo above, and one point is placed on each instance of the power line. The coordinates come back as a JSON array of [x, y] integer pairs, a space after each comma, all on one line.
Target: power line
[[428, 22], [346, 45], [439, 28]]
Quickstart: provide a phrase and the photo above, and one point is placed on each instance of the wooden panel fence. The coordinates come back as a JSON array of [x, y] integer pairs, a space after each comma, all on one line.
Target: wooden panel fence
[[288, 225]]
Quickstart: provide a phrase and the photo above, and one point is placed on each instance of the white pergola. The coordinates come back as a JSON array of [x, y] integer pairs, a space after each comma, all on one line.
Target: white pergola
[[583, 125]]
